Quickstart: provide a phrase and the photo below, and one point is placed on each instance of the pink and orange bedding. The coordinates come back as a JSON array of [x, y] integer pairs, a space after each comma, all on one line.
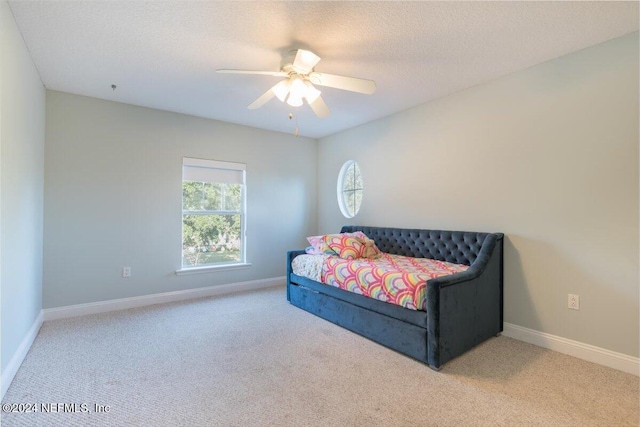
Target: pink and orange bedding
[[394, 279]]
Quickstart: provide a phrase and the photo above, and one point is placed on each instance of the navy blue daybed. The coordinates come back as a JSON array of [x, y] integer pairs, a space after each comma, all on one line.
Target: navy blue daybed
[[463, 309]]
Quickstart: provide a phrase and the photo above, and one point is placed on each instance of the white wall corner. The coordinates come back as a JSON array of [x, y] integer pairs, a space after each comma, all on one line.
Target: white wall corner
[[133, 302], [18, 357], [590, 353]]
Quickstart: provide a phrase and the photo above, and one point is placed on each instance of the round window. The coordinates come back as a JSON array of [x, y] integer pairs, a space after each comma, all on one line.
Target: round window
[[350, 189]]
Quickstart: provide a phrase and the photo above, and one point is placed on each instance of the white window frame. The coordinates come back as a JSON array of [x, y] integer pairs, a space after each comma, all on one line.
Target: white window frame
[[341, 193], [204, 168]]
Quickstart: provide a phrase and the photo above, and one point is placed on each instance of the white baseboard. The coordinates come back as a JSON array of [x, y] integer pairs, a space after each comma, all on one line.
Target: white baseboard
[[14, 364], [126, 303], [590, 353]]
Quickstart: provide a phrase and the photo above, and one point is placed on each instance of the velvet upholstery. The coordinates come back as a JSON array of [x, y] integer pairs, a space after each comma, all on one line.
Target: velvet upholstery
[[463, 309]]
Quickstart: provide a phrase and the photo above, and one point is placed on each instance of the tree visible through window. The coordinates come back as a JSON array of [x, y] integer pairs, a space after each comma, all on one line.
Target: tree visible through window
[[350, 189], [212, 213]]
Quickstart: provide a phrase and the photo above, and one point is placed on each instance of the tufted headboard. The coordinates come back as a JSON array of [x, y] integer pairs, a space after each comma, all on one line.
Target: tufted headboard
[[460, 247]]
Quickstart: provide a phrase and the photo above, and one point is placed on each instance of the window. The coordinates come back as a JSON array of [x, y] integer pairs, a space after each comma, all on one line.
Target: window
[[213, 213], [350, 189]]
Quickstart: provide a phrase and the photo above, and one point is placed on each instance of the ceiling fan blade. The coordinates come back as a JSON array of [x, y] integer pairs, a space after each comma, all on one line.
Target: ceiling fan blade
[[320, 108], [264, 73], [352, 84], [305, 61], [262, 100]]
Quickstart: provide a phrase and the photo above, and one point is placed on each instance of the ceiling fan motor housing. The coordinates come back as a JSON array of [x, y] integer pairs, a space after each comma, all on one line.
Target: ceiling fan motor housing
[[287, 62]]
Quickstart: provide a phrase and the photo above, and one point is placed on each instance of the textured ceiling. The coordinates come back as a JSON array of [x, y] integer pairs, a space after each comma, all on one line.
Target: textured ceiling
[[163, 54]]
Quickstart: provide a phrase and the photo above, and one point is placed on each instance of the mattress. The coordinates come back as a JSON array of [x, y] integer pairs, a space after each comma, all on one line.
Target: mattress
[[395, 279]]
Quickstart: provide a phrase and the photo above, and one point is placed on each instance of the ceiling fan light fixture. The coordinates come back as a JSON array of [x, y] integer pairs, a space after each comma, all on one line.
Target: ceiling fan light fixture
[[281, 90], [294, 101], [298, 88]]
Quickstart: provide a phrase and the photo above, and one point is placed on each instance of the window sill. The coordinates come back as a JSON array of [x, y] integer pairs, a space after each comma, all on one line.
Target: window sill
[[212, 268]]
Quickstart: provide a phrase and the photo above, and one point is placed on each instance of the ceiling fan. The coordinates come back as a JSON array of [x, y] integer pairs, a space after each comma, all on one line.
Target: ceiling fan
[[300, 78]]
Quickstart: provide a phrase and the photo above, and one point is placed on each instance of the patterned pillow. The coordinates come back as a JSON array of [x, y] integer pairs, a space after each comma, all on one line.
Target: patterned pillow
[[347, 247], [319, 246]]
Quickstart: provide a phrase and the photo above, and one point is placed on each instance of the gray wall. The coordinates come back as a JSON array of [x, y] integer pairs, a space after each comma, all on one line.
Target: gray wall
[[22, 126], [113, 197], [549, 156]]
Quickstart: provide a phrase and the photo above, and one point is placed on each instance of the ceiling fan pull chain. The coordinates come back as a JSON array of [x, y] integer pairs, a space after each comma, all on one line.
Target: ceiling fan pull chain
[[296, 132]]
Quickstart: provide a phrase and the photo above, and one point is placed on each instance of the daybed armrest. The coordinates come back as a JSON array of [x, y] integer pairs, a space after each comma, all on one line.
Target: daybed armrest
[[460, 317], [290, 256], [476, 269]]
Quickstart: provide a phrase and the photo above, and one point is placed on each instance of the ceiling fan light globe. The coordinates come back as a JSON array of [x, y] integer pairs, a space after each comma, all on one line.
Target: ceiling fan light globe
[[294, 101], [281, 90], [298, 88]]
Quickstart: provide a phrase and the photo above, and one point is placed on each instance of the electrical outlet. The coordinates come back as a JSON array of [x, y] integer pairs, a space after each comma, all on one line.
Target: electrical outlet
[[574, 302], [126, 271]]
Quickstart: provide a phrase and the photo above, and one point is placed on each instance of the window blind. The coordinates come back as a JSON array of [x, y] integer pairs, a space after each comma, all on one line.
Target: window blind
[[201, 170]]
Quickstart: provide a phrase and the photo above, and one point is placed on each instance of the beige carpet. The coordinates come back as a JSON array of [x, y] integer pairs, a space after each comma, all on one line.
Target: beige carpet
[[252, 359]]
